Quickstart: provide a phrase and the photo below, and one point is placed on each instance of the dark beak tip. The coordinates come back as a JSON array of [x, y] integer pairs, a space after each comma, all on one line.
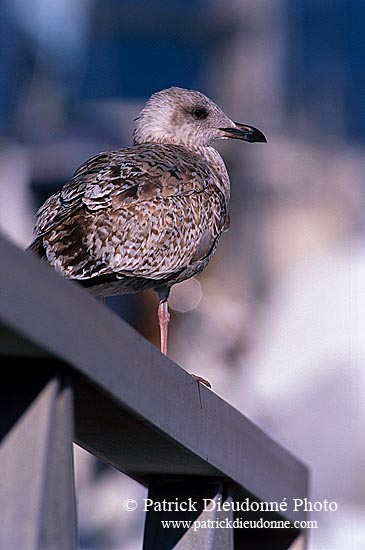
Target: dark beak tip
[[261, 139], [246, 133], [256, 137]]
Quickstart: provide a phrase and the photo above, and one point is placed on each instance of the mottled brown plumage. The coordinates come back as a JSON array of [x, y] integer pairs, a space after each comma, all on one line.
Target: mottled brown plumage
[[150, 215], [138, 218]]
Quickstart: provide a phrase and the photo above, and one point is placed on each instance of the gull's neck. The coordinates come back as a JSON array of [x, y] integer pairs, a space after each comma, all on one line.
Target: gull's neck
[[212, 157]]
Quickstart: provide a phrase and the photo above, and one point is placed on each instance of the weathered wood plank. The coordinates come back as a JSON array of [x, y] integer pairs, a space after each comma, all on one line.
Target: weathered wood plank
[[37, 488], [188, 493], [135, 408]]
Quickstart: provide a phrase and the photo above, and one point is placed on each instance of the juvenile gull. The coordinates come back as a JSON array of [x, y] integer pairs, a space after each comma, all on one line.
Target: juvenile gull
[[150, 215]]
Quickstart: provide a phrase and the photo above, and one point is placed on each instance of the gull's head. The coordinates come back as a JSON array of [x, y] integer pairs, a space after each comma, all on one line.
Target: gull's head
[[188, 117]]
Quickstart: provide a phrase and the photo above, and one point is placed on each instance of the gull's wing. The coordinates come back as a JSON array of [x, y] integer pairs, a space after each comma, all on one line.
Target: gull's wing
[[145, 211]]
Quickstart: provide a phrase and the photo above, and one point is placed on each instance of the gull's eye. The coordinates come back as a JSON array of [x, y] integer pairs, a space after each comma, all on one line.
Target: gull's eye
[[200, 113]]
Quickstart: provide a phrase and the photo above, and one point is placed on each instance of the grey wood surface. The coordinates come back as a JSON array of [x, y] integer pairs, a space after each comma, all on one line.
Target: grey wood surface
[[37, 498], [199, 535], [135, 408]]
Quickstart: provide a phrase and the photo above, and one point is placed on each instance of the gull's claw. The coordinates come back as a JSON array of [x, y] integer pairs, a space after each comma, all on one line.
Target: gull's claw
[[202, 380]]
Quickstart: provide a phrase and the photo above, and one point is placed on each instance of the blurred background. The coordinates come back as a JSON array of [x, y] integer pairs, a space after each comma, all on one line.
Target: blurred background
[[277, 320]]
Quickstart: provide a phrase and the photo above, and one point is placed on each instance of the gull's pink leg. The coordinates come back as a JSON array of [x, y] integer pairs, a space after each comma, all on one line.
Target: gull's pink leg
[[163, 319]]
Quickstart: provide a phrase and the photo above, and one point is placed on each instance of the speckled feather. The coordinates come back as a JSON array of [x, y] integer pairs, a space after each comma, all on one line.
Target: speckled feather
[[149, 212], [150, 215]]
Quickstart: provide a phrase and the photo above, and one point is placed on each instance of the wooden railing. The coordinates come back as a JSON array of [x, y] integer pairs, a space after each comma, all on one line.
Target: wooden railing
[[73, 371]]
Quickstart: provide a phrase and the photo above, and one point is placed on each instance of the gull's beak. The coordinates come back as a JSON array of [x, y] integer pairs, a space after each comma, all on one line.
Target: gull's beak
[[242, 131]]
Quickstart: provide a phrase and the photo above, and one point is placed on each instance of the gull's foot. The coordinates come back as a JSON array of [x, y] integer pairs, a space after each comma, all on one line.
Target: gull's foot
[[202, 380]]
